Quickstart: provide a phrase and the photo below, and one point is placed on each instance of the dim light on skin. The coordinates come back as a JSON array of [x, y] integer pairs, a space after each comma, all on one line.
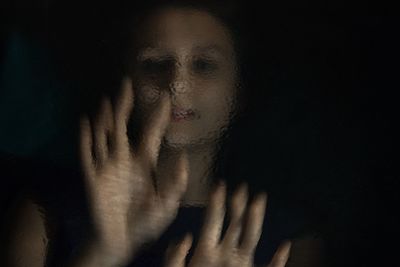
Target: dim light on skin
[[185, 84], [189, 54]]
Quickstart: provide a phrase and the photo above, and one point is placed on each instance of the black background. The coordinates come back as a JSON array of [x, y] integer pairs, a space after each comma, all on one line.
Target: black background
[[325, 78]]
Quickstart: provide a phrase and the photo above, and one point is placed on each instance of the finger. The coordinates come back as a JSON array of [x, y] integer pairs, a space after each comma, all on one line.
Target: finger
[[254, 222], [176, 254], [237, 208], [103, 126], [154, 130], [86, 148], [211, 231], [173, 186], [124, 106], [281, 255]]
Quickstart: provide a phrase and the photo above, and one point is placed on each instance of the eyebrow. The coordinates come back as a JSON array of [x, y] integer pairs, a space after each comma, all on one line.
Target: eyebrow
[[150, 52], [154, 51], [211, 48]]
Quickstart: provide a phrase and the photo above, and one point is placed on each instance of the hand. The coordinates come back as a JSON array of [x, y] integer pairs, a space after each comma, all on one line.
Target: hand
[[211, 251], [127, 209]]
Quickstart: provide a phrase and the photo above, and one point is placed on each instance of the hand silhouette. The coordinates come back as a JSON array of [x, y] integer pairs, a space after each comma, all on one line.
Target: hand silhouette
[[237, 247], [128, 209]]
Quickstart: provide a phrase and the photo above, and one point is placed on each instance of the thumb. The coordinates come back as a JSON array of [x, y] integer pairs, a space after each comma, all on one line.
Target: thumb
[[281, 255], [176, 253], [173, 183]]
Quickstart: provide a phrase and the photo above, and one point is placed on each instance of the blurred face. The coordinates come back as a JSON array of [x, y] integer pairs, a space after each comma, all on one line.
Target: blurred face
[[189, 54]]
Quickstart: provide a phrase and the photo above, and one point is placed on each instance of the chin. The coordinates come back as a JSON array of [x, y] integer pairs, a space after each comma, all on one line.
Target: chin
[[178, 141], [190, 137], [184, 141]]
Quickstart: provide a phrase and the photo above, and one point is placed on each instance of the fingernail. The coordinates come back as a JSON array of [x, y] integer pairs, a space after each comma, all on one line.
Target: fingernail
[[187, 240], [221, 185], [243, 188], [288, 245], [261, 198], [218, 184], [218, 188]]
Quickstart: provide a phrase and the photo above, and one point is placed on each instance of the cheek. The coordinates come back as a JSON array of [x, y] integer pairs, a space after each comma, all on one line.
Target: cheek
[[146, 93], [215, 106], [217, 97]]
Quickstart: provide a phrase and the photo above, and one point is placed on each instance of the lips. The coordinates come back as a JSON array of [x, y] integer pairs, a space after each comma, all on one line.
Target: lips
[[179, 114]]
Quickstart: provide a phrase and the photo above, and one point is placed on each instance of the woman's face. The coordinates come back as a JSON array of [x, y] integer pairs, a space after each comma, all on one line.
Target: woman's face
[[189, 54]]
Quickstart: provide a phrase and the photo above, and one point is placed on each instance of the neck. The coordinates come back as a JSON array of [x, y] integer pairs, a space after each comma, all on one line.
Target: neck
[[200, 161]]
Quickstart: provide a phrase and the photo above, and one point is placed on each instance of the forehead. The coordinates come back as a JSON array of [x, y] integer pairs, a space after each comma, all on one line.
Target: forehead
[[180, 28]]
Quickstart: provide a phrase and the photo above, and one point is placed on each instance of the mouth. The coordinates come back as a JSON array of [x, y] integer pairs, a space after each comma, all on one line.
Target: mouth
[[181, 114]]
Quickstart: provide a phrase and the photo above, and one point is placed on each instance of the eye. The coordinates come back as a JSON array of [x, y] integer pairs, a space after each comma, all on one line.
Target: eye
[[204, 66], [151, 66]]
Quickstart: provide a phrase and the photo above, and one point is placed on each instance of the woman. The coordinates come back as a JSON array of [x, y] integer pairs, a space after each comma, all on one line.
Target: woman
[[185, 71], [184, 91]]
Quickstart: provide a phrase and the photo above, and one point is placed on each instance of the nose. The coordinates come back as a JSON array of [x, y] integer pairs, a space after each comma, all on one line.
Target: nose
[[180, 82]]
